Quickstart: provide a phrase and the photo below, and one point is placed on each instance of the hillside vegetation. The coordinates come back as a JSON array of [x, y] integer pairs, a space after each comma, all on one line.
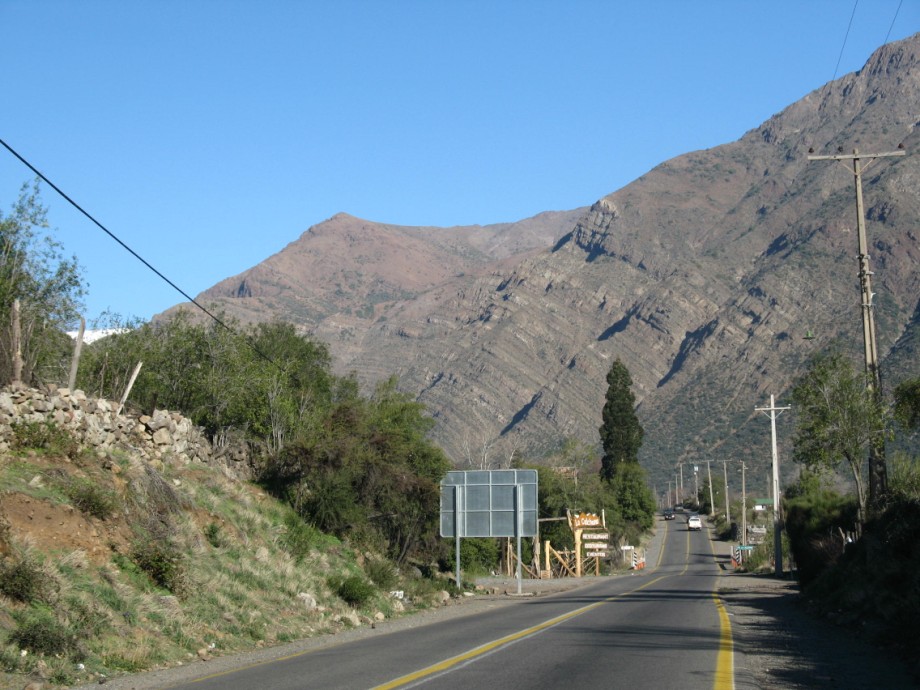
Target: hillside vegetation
[[111, 566]]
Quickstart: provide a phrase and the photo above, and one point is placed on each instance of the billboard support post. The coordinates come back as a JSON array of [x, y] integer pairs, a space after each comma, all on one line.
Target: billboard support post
[[457, 512], [489, 503]]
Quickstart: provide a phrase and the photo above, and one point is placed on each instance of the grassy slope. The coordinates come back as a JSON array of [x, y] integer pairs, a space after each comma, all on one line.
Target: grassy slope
[[234, 560]]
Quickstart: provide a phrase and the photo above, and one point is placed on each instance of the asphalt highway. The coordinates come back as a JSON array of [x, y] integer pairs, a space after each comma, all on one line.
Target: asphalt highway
[[661, 627]]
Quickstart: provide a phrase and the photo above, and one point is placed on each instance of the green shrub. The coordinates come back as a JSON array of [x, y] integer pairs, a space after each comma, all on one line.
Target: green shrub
[[163, 564], [478, 556], [91, 499], [353, 590], [904, 477], [382, 573], [44, 436], [213, 535], [299, 537], [38, 631], [22, 578], [815, 524]]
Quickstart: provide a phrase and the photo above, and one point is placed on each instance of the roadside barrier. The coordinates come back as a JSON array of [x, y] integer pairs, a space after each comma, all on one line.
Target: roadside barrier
[[638, 562], [737, 557]]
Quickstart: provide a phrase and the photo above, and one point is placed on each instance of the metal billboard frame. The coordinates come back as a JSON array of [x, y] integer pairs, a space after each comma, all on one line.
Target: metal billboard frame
[[489, 503]]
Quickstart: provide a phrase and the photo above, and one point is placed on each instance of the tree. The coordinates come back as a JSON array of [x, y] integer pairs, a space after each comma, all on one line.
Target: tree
[[838, 420], [47, 285], [907, 403], [621, 433], [634, 500]]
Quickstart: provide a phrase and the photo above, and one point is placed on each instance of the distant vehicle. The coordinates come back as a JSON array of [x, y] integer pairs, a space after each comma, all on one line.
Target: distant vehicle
[[669, 514], [694, 522]]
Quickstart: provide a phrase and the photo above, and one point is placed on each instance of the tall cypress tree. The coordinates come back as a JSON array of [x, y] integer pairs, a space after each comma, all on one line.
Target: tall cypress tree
[[621, 433]]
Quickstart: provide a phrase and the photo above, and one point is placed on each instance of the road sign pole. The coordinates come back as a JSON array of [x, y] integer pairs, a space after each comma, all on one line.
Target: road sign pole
[[518, 528], [457, 513]]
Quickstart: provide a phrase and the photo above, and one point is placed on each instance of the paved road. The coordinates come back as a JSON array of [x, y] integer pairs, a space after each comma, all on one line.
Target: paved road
[[661, 627]]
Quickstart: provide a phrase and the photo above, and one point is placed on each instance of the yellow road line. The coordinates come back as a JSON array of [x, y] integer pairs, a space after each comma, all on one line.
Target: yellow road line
[[725, 660], [495, 644], [664, 540]]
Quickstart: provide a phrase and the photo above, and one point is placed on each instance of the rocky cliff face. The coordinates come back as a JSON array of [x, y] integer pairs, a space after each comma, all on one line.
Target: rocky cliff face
[[702, 276]]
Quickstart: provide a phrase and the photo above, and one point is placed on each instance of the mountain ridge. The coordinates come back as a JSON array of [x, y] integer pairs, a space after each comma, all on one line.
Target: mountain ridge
[[702, 275]]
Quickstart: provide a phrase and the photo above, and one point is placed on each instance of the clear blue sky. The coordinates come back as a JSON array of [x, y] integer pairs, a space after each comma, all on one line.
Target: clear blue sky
[[207, 135]]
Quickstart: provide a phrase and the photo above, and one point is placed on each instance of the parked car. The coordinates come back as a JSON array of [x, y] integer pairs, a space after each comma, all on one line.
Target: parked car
[[669, 514], [694, 522]]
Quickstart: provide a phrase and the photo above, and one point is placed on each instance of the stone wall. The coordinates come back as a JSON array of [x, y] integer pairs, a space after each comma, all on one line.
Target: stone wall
[[163, 437]]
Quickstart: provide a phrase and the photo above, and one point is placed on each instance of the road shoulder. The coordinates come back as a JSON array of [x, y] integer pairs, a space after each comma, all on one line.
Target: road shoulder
[[779, 644]]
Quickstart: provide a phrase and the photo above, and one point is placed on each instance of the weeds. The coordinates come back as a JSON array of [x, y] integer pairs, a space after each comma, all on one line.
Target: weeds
[[24, 579], [299, 537], [44, 436], [213, 534], [39, 632], [382, 573], [163, 563], [90, 498], [353, 590]]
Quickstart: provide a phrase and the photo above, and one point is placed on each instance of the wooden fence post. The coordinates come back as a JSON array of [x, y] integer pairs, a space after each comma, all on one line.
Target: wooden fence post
[[75, 362], [16, 345], [124, 396]]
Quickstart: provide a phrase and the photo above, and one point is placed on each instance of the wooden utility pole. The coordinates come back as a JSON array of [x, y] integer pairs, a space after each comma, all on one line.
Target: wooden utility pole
[[16, 344], [743, 506], [777, 523], [712, 501], [878, 471]]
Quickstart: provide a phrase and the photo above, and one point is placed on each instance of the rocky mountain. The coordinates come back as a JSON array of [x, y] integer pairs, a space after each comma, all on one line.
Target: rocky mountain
[[703, 276]]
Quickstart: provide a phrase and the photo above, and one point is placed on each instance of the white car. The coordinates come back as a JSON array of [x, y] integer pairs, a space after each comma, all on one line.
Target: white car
[[694, 522]]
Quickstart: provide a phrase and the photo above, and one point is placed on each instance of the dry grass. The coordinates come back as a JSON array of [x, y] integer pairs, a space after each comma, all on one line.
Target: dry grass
[[244, 573]]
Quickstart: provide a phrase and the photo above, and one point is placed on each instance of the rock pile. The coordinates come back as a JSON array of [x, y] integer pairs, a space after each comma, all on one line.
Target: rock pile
[[161, 437]]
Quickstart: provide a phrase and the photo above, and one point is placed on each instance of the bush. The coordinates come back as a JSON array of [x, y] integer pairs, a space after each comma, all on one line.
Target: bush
[[815, 524], [23, 579], [90, 498], [478, 556], [44, 436], [163, 563], [353, 590], [213, 535], [40, 632], [299, 537], [382, 573]]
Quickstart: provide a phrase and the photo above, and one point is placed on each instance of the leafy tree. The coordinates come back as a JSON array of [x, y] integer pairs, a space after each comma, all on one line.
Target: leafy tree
[[48, 286], [907, 403], [838, 420], [264, 382], [621, 433], [633, 497]]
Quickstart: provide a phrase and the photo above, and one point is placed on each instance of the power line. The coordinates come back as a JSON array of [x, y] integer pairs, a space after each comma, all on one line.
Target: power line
[[840, 57], [132, 252], [885, 42]]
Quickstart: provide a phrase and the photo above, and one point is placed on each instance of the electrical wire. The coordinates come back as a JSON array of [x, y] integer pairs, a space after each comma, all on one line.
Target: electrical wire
[[134, 253], [885, 42], [840, 57]]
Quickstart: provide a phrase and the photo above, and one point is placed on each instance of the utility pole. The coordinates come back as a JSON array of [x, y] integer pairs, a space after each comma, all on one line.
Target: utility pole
[[878, 471], [728, 515], [712, 502], [743, 506], [680, 466], [777, 524], [696, 486]]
